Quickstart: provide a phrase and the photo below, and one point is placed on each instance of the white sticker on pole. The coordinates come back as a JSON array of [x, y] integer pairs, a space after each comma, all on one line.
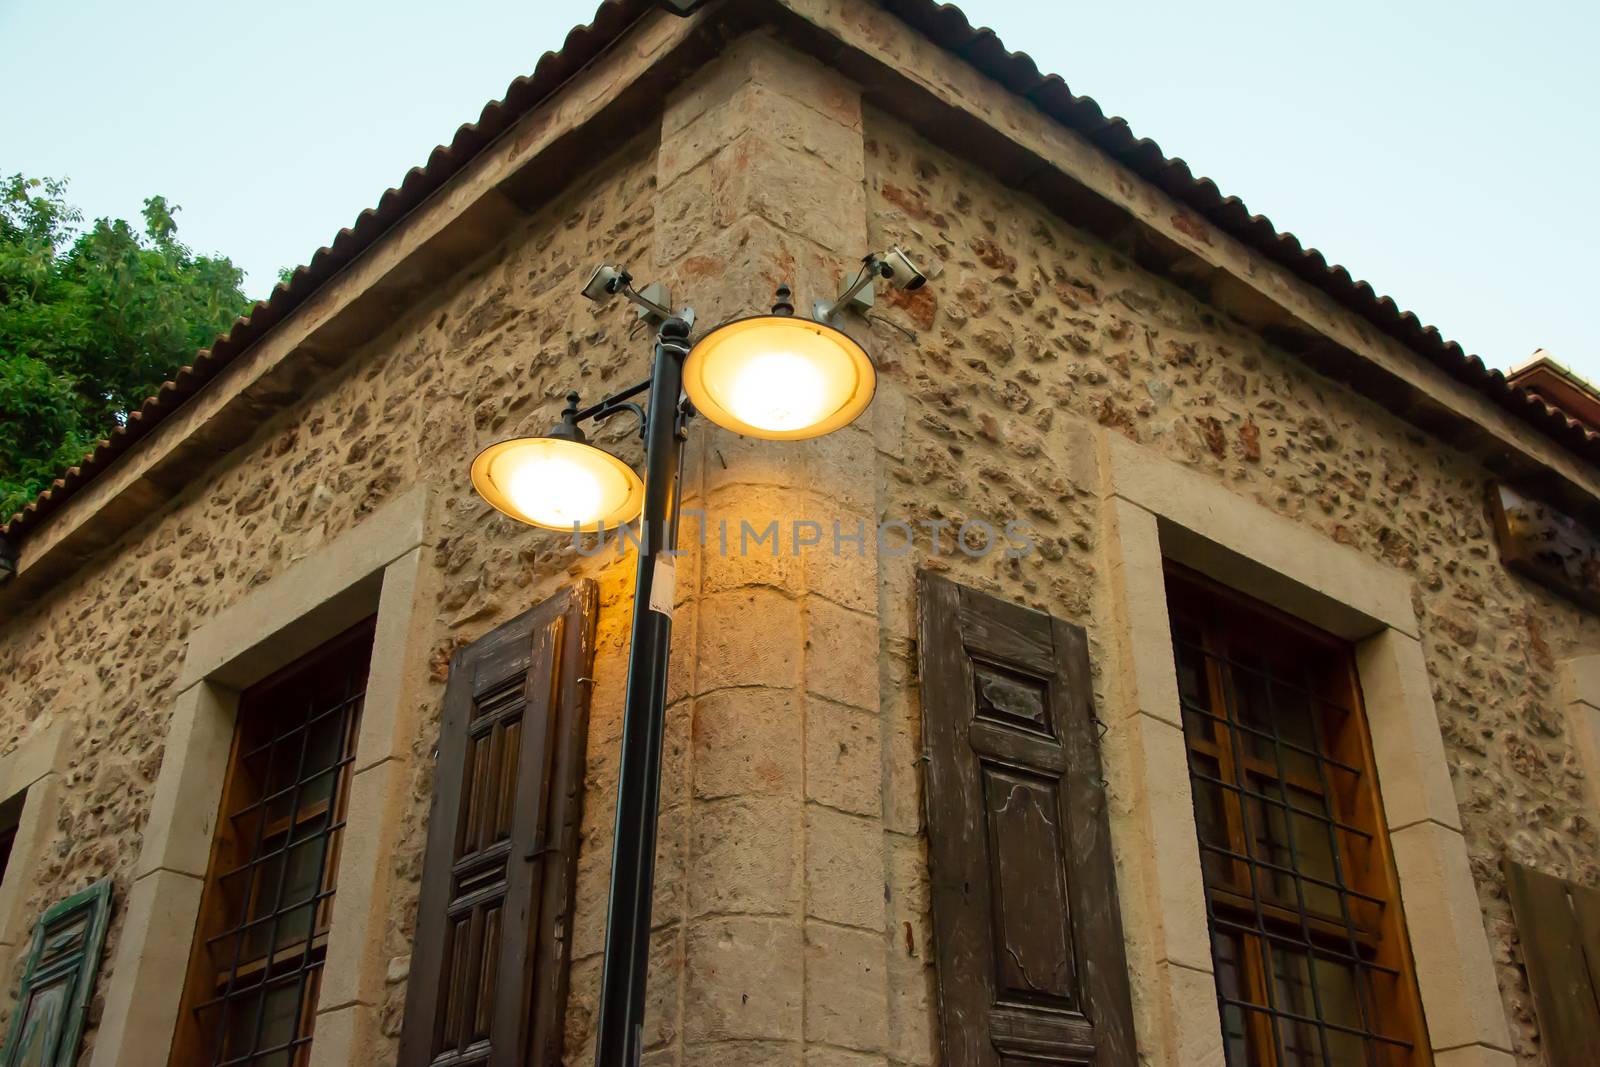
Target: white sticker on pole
[[663, 585]]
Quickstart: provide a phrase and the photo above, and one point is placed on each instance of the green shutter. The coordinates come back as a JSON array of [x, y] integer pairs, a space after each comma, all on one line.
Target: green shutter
[[47, 1022]]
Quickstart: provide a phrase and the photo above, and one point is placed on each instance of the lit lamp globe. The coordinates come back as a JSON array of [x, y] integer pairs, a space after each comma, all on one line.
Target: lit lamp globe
[[558, 482], [779, 377]]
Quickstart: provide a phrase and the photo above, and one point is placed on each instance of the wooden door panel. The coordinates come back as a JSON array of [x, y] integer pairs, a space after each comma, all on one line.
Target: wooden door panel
[[1032, 916]]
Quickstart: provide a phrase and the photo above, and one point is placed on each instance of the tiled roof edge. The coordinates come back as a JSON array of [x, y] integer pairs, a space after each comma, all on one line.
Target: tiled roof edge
[[582, 45], [948, 27]]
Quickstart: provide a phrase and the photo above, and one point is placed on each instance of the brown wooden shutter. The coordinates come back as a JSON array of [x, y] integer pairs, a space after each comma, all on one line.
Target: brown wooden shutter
[[1559, 925], [1027, 932], [488, 978]]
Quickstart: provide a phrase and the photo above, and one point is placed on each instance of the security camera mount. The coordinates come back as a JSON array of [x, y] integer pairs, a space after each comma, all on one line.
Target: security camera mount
[[858, 295], [893, 265], [653, 303]]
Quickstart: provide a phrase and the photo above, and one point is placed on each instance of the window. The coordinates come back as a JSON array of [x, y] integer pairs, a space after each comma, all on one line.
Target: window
[[10, 820], [251, 991], [1308, 942]]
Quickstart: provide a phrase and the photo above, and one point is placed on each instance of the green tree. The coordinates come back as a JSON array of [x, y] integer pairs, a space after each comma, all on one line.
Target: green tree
[[92, 321]]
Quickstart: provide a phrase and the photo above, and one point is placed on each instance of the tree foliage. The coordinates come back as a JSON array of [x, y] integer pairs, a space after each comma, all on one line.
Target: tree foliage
[[92, 321]]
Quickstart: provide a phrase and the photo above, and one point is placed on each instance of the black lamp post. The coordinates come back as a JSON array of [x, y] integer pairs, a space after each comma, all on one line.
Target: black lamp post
[[633, 858], [775, 376]]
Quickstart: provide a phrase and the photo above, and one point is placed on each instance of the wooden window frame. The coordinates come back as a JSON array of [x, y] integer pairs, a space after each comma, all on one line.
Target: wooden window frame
[[1157, 509], [380, 566], [206, 984], [1369, 933]]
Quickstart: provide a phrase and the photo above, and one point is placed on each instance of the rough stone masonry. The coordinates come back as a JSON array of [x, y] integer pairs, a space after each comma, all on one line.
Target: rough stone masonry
[[792, 886]]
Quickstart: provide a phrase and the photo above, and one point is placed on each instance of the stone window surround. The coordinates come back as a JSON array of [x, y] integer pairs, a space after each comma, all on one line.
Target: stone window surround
[[35, 769], [1155, 509], [1580, 692], [375, 568]]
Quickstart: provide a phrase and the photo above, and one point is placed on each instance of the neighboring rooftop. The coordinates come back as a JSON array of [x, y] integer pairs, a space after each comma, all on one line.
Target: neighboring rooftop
[[1559, 386], [943, 24]]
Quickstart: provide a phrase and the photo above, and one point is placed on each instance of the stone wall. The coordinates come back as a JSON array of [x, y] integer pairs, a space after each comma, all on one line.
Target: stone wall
[[505, 348], [769, 902], [492, 355], [791, 912], [1035, 324]]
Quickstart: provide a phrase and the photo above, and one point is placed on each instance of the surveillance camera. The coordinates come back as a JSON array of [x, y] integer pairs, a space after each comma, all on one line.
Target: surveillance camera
[[604, 283], [901, 272]]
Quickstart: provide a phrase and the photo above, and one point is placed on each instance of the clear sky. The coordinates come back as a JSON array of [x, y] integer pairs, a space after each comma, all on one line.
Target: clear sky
[[1444, 151]]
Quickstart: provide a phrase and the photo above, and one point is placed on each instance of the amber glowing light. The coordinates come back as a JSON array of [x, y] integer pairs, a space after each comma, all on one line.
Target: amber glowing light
[[558, 484], [779, 377]]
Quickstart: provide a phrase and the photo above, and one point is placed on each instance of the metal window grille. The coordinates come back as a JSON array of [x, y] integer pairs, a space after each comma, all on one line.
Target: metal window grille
[[1302, 919], [269, 896]]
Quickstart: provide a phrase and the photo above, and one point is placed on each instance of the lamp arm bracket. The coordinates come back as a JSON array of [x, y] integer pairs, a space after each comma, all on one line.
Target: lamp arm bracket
[[615, 404], [618, 407], [858, 294], [602, 408]]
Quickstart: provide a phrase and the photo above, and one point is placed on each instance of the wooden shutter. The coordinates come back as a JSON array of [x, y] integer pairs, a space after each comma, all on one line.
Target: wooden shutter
[[1027, 933], [1559, 926], [488, 978], [47, 1022]]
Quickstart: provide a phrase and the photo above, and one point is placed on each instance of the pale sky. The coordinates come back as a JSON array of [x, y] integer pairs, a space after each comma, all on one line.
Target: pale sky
[[1444, 151]]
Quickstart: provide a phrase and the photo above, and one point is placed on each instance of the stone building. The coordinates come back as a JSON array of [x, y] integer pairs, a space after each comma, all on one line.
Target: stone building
[[1241, 752]]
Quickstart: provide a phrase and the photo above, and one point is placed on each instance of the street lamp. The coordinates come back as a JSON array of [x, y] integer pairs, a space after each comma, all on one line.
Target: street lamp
[[779, 377], [775, 376], [559, 481]]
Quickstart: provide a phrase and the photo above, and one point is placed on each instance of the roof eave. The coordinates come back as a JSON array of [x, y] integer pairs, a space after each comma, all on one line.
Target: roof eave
[[1075, 164]]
